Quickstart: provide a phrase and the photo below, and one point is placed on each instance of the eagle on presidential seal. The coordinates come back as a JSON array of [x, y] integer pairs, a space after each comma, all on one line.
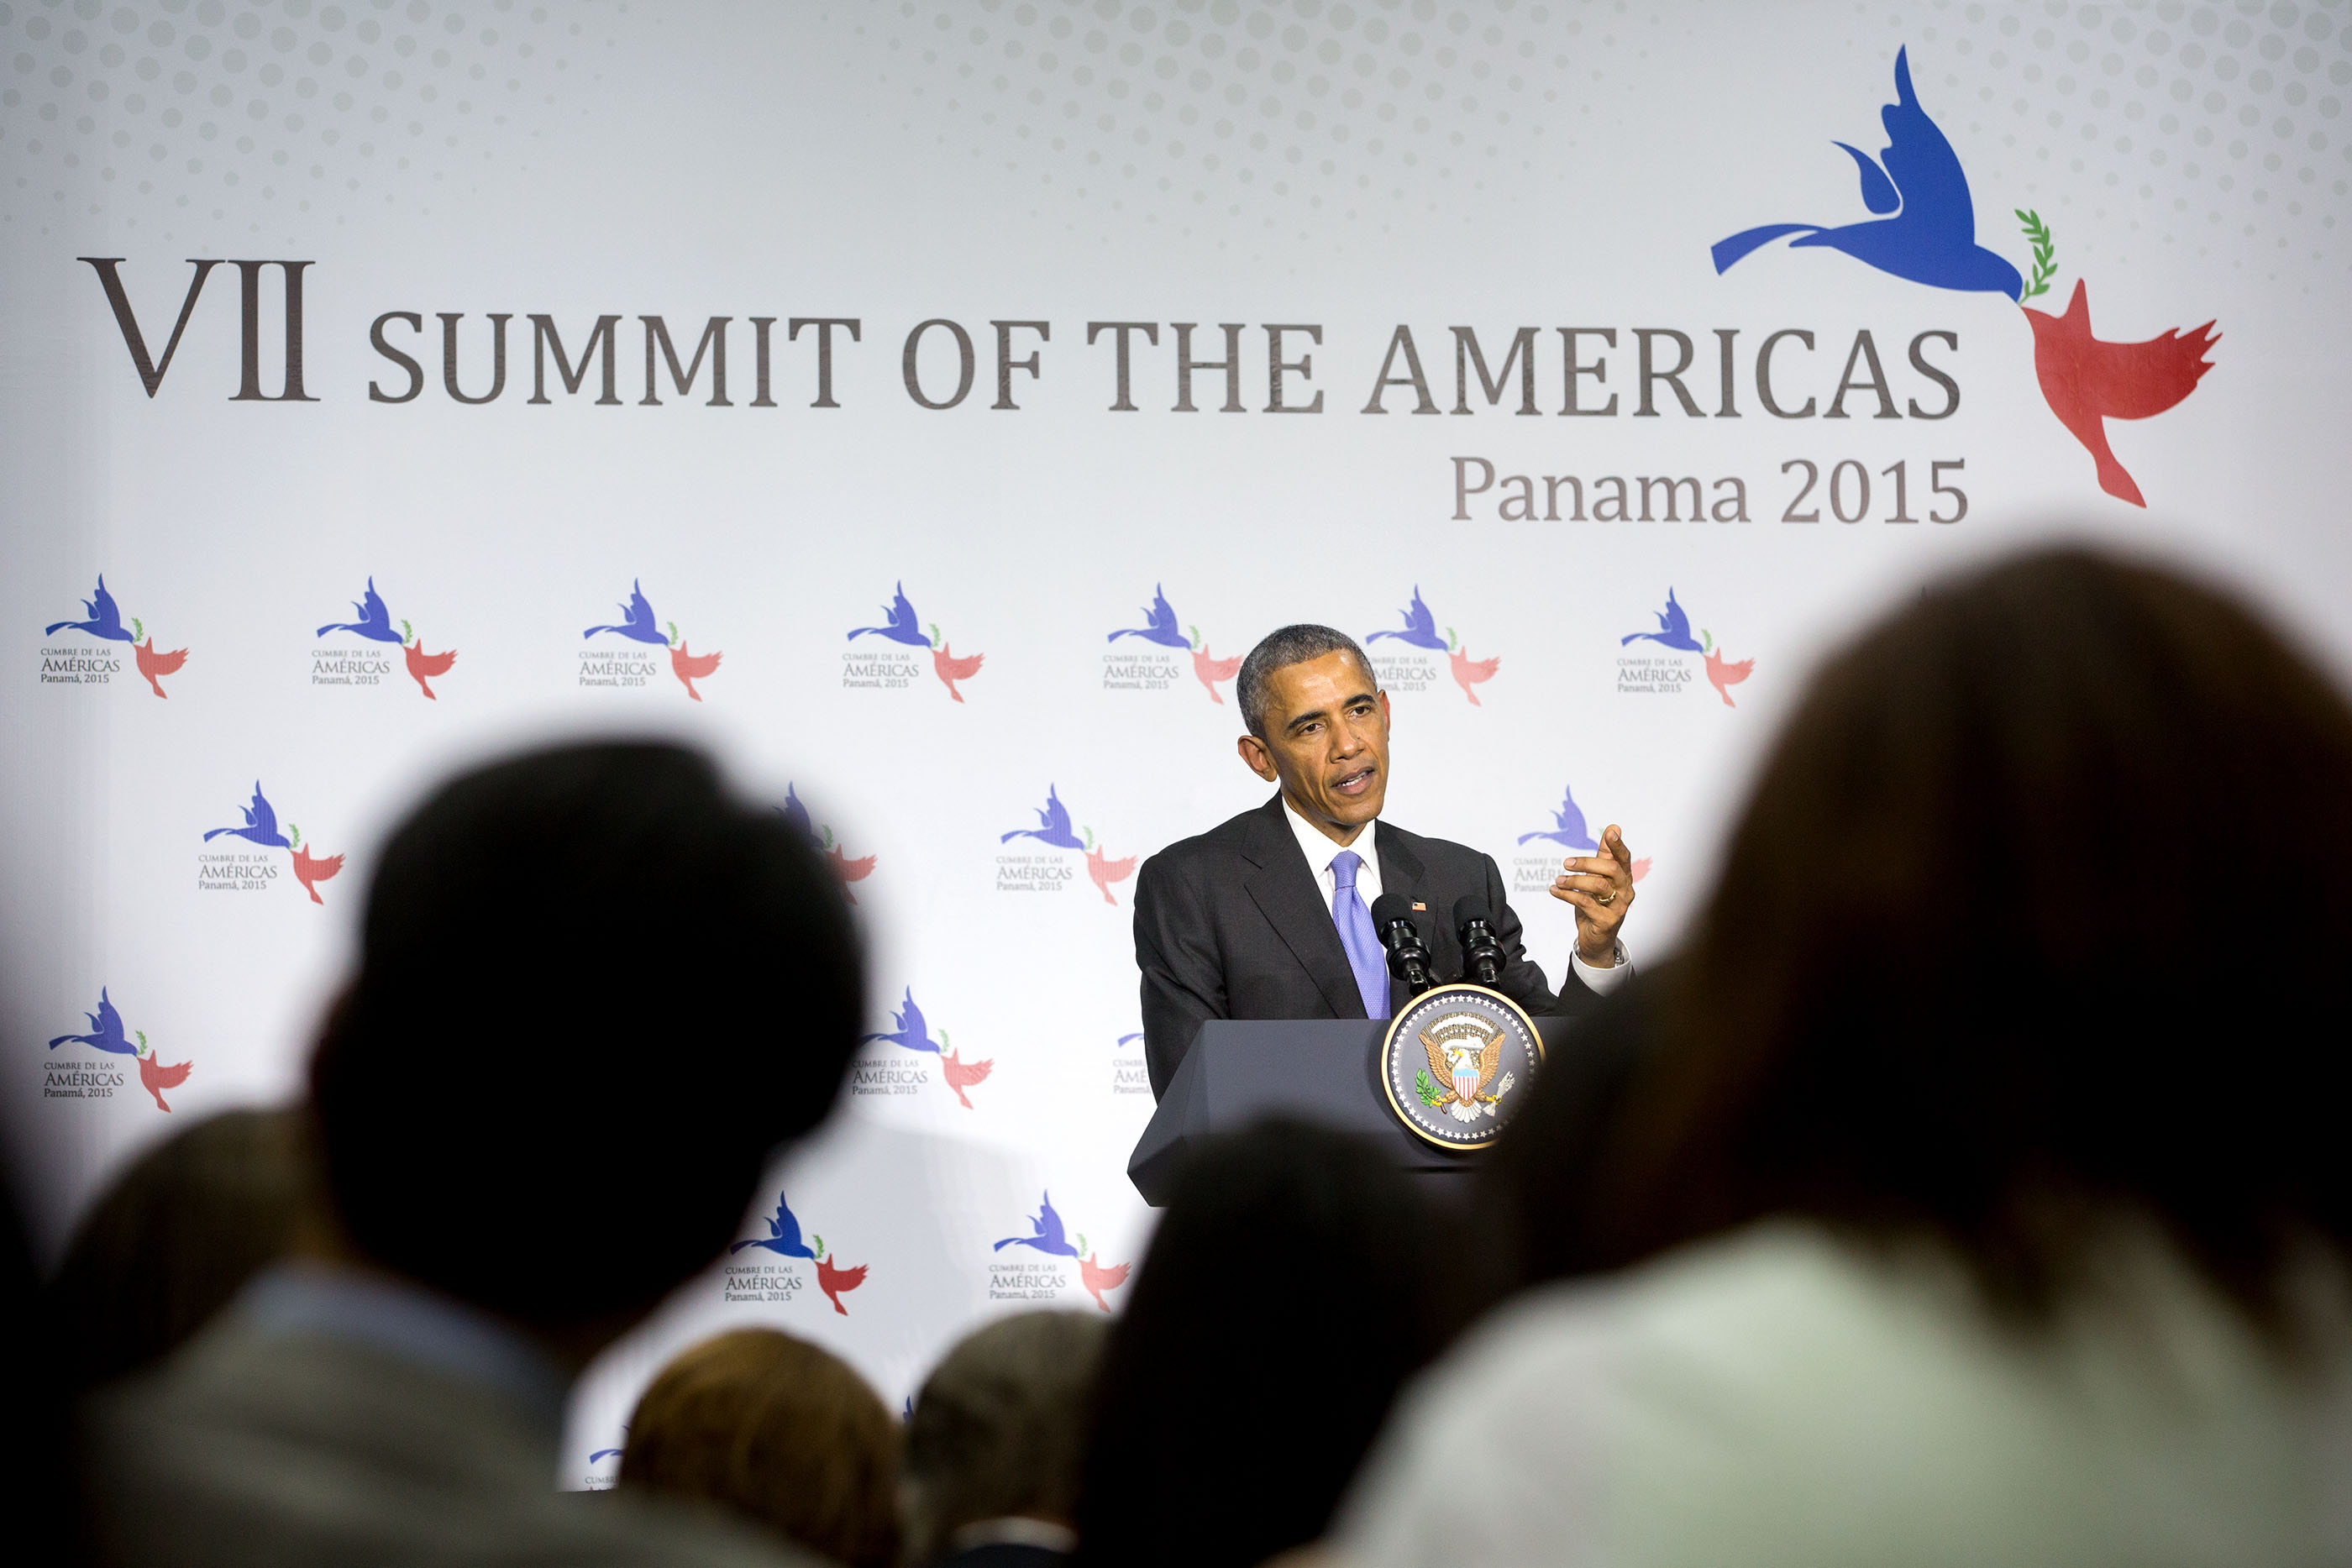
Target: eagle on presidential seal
[[1463, 1066]]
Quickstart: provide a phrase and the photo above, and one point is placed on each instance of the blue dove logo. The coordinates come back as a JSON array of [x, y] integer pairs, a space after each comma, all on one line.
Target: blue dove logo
[[1674, 630], [783, 1237], [1420, 627], [1927, 230], [638, 623], [900, 624], [260, 824], [105, 618], [1046, 1234], [1052, 826], [375, 623], [106, 1032], [910, 1028], [1159, 625], [1568, 825]]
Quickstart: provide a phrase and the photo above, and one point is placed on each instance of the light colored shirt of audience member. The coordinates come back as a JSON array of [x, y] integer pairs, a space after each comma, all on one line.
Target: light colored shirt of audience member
[[1779, 1396]]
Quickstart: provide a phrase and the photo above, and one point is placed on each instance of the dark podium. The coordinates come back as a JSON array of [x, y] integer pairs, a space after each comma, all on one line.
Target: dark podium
[[1317, 1070]]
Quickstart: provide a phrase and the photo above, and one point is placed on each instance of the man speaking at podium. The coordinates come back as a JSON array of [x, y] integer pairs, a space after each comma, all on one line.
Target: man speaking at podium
[[1269, 915]]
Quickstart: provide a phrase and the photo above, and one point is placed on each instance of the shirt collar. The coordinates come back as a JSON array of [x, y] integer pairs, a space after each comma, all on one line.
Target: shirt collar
[[1319, 847], [407, 1320]]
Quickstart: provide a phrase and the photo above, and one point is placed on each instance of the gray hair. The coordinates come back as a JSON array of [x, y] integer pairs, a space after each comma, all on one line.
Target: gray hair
[[1280, 649], [999, 1427]]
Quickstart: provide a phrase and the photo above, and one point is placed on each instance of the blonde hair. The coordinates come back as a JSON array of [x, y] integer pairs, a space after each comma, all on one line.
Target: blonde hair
[[778, 1430]]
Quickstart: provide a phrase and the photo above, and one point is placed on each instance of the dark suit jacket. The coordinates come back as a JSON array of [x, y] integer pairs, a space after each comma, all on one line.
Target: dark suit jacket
[[1232, 924]]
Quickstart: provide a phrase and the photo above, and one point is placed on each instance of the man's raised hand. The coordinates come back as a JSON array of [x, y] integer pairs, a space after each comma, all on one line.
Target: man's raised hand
[[1601, 887]]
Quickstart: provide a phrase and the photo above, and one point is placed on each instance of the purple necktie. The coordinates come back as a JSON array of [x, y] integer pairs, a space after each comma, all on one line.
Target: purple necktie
[[1355, 924]]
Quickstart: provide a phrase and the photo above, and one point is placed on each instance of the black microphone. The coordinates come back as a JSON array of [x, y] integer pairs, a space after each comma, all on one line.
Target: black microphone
[[1400, 934], [1482, 955]]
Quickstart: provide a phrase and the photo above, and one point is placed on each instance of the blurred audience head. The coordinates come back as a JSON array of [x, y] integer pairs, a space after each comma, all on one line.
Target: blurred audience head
[[2022, 933], [997, 1434], [1293, 1283], [178, 1233], [548, 941], [778, 1431]]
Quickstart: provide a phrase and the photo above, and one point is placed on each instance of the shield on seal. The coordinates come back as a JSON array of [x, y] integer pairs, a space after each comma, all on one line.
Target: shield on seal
[[1463, 1059]]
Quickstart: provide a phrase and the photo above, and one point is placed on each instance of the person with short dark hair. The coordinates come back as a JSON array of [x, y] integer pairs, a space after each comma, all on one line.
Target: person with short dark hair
[[991, 1478], [1268, 916], [176, 1235], [1857, 1261], [778, 1430], [1296, 1279], [561, 953]]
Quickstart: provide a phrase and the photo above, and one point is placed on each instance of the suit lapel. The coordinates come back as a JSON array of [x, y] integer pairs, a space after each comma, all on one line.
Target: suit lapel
[[1290, 896]]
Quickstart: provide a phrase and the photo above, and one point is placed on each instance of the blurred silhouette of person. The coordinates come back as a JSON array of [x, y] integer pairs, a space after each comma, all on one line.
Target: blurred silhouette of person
[[777, 1431], [397, 1394], [176, 1235], [990, 1474], [1971, 1189], [1293, 1283], [39, 1483]]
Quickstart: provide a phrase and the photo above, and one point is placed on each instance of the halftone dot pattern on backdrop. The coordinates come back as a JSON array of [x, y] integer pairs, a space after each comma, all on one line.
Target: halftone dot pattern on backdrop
[[1244, 117], [135, 110], [1302, 113]]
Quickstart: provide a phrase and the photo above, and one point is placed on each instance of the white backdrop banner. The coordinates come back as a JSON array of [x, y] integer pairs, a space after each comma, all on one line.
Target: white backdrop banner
[[924, 404]]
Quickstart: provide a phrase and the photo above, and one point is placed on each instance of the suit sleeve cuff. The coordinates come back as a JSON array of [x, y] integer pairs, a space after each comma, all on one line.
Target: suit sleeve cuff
[[1600, 982]]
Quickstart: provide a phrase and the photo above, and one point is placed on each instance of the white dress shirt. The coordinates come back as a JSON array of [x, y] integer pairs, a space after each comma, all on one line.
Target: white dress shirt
[[1320, 849]]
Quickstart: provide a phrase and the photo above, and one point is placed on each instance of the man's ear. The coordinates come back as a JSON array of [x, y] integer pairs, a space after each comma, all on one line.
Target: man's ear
[[1255, 756], [1382, 697]]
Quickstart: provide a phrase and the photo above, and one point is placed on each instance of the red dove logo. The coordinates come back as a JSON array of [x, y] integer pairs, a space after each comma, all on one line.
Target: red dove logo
[[155, 665], [1105, 871], [833, 1281], [1723, 674], [1098, 1279], [2088, 382], [423, 666]]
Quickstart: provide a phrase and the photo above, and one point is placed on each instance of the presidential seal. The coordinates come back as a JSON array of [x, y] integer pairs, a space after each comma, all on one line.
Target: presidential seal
[[1456, 1062]]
